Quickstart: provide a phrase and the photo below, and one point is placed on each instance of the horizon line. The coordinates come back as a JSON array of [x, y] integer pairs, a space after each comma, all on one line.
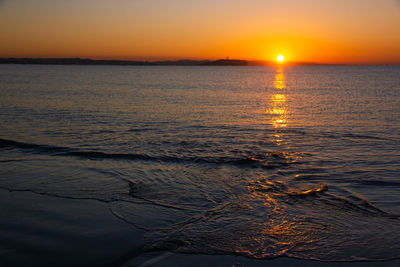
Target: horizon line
[[249, 62]]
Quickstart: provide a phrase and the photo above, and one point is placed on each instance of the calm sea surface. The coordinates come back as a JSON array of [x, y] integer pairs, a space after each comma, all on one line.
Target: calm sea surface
[[256, 161]]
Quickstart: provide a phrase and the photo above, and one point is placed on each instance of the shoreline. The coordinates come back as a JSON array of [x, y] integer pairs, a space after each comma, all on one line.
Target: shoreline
[[41, 230], [44, 230]]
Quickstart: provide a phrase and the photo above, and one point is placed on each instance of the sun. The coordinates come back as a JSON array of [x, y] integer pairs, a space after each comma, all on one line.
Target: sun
[[280, 58]]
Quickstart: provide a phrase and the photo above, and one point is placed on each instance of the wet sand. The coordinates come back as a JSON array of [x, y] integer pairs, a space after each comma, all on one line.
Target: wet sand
[[40, 230]]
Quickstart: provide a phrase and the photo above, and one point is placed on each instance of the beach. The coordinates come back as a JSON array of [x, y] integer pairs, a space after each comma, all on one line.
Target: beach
[[40, 230]]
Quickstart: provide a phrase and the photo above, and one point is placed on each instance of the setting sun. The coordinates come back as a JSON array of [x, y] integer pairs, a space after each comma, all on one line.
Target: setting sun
[[280, 58]]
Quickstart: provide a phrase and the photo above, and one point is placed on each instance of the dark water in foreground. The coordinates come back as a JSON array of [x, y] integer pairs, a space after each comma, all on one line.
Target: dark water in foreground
[[262, 162]]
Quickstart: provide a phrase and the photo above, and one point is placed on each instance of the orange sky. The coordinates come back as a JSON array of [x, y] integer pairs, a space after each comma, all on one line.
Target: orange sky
[[325, 31]]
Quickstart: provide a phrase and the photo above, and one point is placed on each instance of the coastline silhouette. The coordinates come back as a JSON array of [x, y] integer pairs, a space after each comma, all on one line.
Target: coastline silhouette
[[180, 62]]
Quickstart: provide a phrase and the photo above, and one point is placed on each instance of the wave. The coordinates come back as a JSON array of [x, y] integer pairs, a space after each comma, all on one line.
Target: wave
[[280, 189], [335, 135], [378, 182], [5, 143], [268, 160], [274, 219]]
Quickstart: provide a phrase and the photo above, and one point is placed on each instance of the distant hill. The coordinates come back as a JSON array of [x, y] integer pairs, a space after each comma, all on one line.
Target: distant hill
[[226, 62], [85, 61], [70, 61], [181, 62]]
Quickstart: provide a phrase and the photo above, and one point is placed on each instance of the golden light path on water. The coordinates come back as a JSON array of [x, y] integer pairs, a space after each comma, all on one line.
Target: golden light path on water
[[298, 219], [276, 232], [278, 101]]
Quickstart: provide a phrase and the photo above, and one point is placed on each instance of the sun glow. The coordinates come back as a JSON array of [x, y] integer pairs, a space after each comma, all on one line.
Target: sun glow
[[280, 58]]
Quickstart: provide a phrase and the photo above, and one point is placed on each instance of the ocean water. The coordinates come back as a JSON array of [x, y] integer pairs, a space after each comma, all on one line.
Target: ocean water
[[257, 161]]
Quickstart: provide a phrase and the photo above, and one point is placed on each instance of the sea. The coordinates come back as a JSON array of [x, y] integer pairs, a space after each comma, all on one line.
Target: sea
[[263, 162]]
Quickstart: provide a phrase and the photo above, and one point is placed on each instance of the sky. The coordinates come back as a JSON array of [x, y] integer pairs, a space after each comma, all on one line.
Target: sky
[[324, 31]]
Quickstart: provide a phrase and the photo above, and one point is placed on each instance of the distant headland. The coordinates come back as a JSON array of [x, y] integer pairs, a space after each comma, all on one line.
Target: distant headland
[[181, 62]]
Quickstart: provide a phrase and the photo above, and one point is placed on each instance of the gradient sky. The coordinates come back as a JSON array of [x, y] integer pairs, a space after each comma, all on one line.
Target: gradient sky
[[327, 31]]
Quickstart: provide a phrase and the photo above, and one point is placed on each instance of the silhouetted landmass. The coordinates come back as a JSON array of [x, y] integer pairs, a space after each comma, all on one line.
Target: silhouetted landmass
[[181, 62], [84, 61], [70, 61], [226, 62]]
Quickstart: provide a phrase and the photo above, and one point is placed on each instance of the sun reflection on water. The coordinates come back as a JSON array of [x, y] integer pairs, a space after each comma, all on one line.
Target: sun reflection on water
[[279, 82], [274, 230], [278, 102]]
